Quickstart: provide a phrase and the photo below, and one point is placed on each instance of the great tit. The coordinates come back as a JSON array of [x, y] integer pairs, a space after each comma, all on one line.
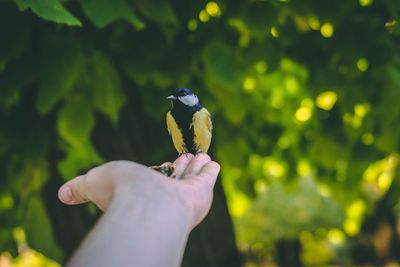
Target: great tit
[[188, 122]]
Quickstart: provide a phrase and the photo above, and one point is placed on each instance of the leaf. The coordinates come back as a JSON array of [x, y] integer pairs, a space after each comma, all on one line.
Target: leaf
[[39, 230], [51, 10], [159, 11], [104, 12], [75, 120], [78, 158], [60, 70], [108, 94], [75, 123]]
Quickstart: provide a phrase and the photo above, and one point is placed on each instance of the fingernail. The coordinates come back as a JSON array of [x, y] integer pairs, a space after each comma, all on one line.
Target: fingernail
[[66, 194]]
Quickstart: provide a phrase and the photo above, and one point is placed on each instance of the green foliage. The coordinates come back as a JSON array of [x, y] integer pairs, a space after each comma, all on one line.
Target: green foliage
[[103, 13], [51, 10], [75, 120], [109, 96], [304, 98], [156, 10], [39, 230], [284, 213], [60, 70]]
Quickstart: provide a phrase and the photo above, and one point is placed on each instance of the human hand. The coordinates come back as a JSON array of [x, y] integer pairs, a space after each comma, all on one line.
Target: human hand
[[193, 185]]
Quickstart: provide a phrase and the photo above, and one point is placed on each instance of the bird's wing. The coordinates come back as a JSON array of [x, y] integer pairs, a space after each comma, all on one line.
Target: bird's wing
[[176, 134], [202, 129]]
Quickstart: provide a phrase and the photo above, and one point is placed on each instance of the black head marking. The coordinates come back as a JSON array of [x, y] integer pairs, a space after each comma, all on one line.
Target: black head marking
[[181, 92]]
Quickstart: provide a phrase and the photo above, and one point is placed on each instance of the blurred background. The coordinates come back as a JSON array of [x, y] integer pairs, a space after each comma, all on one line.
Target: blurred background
[[304, 97]]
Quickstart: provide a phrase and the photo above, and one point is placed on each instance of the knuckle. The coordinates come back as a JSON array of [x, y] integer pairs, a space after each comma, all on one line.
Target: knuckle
[[118, 167], [203, 156]]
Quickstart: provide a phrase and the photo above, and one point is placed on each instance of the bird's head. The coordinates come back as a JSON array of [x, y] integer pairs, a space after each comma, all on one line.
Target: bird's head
[[184, 96]]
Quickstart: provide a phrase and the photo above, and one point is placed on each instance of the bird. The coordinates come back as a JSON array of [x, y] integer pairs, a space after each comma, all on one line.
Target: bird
[[188, 122]]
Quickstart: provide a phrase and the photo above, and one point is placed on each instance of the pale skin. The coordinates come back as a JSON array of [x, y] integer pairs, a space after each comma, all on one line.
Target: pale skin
[[147, 216]]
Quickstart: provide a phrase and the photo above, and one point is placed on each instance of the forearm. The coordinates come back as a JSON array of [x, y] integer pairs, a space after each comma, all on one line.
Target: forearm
[[137, 231]]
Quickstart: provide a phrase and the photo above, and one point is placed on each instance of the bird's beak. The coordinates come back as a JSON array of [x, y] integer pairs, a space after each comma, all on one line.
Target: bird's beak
[[171, 97]]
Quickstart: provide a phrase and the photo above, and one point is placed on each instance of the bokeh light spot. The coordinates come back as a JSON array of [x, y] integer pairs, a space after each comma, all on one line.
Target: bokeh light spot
[[249, 84], [326, 100], [327, 30], [362, 64], [6, 202], [292, 85], [314, 23], [365, 2], [351, 226], [303, 114], [360, 110], [336, 237], [277, 100], [260, 186], [303, 167], [367, 139], [274, 168], [240, 204], [213, 9], [203, 16], [347, 117], [274, 32], [261, 67], [192, 25], [356, 208]]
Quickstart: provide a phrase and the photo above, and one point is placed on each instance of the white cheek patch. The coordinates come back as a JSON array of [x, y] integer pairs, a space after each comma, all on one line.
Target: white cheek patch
[[189, 100]]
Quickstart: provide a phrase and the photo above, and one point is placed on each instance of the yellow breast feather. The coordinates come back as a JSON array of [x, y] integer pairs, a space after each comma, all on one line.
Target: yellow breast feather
[[202, 127], [175, 133]]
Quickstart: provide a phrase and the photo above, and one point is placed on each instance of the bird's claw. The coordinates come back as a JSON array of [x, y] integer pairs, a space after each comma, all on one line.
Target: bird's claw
[[167, 169]]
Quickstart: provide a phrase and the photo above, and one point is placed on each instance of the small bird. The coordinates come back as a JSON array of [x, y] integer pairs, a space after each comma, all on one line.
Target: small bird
[[188, 122]]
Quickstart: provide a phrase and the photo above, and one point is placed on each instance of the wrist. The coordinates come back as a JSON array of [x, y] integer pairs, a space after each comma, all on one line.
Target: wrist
[[155, 199]]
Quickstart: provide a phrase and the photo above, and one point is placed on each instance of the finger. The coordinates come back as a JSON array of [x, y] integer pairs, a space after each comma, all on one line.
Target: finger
[[181, 164], [73, 192], [196, 164], [209, 173]]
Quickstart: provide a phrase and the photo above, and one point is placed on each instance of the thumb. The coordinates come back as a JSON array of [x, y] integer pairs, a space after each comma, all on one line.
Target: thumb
[[74, 191]]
